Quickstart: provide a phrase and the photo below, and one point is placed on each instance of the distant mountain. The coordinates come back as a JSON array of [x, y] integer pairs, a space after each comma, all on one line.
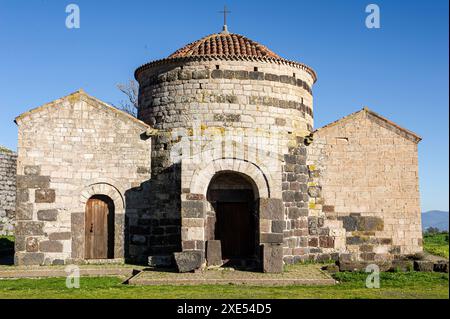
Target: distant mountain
[[435, 218]]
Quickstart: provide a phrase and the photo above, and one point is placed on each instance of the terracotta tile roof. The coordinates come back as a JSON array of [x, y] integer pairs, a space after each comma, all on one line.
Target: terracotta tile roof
[[224, 44]]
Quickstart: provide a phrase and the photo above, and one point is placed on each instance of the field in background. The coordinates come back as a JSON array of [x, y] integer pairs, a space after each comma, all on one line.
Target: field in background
[[436, 243]]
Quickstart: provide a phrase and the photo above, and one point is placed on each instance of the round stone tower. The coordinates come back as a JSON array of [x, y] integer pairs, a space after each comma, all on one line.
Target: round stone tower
[[228, 105]]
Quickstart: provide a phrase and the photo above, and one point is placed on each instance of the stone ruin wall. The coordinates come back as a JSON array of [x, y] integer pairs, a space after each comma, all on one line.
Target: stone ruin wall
[[7, 191], [68, 151], [364, 182]]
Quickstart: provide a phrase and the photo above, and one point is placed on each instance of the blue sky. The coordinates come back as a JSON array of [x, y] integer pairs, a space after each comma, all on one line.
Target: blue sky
[[399, 70]]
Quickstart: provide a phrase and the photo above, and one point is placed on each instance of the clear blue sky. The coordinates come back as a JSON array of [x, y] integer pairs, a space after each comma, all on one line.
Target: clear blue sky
[[399, 71]]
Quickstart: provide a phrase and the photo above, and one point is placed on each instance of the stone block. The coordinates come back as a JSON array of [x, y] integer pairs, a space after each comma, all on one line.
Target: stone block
[[217, 74], [51, 246], [256, 75], [32, 244], [29, 228], [214, 253], [28, 259], [77, 229], [349, 222], [20, 243], [369, 223], [272, 258], [44, 195], [441, 266], [32, 170], [32, 181], [362, 265], [60, 236], [24, 211], [22, 195], [271, 238], [326, 242], [313, 242], [187, 261], [271, 208], [423, 265], [193, 209], [403, 265], [278, 226], [160, 261], [328, 209], [47, 214]]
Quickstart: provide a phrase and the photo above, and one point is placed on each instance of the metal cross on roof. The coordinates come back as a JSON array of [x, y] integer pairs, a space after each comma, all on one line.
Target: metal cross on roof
[[225, 11]]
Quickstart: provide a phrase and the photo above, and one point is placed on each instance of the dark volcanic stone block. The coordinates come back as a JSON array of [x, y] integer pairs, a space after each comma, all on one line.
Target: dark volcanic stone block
[[271, 208], [188, 260], [193, 209], [31, 181], [47, 214], [271, 238], [60, 236], [27, 259], [423, 265], [214, 253], [51, 246], [29, 228], [272, 258], [441, 266], [368, 223], [44, 195]]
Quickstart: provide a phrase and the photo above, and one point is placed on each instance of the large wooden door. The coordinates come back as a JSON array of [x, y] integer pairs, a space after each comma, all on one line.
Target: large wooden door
[[96, 229], [235, 229]]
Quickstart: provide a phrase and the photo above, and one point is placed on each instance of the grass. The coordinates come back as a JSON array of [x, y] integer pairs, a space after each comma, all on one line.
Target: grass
[[436, 244], [412, 285]]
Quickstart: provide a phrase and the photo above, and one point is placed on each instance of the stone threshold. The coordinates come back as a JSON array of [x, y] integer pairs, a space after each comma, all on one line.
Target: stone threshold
[[300, 275], [139, 281]]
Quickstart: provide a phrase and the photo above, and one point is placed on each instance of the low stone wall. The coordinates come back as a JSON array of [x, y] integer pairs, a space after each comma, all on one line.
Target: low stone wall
[[7, 191]]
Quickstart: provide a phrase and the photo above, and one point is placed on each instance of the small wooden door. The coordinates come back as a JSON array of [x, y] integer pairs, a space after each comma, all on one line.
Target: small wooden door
[[235, 229], [96, 229]]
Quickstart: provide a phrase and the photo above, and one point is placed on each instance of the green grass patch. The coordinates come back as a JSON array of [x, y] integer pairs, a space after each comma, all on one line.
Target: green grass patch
[[351, 285], [436, 244]]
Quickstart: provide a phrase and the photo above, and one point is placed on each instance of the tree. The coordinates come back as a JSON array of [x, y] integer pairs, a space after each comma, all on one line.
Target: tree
[[131, 90], [432, 231]]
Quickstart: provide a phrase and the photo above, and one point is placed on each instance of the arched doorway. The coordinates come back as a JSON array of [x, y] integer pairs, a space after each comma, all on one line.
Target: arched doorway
[[99, 228], [233, 217]]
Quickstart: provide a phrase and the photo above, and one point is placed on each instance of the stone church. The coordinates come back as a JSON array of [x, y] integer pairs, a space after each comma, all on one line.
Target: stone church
[[222, 165]]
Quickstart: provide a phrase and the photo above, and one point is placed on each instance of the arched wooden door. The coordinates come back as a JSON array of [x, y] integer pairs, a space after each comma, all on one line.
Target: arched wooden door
[[99, 228]]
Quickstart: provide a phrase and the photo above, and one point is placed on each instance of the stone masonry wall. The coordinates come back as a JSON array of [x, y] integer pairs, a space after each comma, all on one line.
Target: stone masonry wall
[[366, 174], [7, 191], [211, 116], [68, 151]]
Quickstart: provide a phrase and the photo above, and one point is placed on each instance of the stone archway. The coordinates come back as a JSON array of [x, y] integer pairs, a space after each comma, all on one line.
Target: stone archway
[[101, 188], [232, 220], [271, 223]]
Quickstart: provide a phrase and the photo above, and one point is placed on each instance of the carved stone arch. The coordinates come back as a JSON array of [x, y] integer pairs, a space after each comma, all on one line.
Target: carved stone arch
[[104, 187], [203, 176], [107, 189]]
